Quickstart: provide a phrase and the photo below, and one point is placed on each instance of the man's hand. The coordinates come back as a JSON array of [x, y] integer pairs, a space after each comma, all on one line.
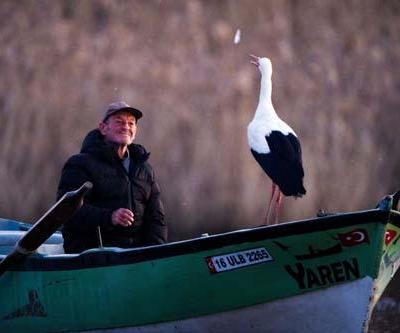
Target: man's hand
[[122, 216]]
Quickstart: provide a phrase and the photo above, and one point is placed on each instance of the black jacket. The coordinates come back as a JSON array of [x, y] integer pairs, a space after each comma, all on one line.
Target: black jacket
[[113, 188]]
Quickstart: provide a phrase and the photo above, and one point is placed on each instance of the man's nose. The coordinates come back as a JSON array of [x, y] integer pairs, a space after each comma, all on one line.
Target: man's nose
[[125, 124]]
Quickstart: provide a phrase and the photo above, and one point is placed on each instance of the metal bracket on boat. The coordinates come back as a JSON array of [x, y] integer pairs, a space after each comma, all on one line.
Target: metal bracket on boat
[[23, 251], [389, 202], [324, 213]]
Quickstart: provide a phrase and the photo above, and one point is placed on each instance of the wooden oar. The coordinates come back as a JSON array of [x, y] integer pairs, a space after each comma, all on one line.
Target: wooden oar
[[57, 215]]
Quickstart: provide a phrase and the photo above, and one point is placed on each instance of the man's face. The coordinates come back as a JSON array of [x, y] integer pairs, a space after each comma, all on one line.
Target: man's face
[[120, 128]]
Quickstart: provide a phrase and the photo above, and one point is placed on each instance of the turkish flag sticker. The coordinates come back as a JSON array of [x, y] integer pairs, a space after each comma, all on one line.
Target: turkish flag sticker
[[210, 265], [354, 237], [389, 236]]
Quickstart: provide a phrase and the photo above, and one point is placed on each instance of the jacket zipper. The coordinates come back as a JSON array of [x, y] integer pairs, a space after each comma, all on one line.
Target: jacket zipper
[[130, 204], [130, 195]]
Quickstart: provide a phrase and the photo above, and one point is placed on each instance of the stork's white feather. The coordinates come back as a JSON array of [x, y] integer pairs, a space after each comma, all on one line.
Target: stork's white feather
[[265, 119], [261, 127]]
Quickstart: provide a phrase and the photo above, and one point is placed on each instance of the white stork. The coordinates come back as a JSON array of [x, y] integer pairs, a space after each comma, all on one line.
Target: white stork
[[274, 144]]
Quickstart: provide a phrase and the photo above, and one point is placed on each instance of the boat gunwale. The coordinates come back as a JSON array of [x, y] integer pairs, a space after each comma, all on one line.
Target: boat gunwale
[[103, 257]]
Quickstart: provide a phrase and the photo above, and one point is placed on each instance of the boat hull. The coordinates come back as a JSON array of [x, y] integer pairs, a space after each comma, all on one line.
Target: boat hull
[[337, 309], [300, 276]]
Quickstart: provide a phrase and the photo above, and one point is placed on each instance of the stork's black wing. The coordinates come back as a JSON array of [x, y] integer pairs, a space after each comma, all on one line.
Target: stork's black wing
[[283, 163], [287, 147]]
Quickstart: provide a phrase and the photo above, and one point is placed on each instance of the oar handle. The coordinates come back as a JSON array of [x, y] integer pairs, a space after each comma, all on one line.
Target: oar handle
[[57, 215]]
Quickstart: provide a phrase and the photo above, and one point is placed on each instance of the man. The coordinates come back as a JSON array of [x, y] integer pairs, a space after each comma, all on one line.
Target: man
[[124, 208]]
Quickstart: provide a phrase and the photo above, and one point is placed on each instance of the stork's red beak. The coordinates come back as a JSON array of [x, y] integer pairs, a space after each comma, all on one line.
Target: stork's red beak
[[254, 60]]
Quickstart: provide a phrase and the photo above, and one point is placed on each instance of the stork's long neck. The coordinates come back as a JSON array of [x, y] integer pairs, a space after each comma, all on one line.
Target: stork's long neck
[[265, 107]]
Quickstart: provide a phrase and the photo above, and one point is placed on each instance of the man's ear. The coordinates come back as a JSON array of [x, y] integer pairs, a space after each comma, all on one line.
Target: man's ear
[[102, 126]]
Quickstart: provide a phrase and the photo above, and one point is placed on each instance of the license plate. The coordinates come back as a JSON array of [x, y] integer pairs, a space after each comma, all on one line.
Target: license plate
[[229, 261]]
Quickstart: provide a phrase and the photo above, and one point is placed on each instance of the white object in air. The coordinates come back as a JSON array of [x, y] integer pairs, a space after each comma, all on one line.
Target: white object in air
[[236, 40]]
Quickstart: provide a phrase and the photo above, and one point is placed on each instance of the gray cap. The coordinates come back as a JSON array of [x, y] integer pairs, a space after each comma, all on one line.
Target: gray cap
[[122, 106]]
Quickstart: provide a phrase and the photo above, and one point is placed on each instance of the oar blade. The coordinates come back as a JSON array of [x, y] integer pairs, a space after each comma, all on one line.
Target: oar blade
[[57, 215]]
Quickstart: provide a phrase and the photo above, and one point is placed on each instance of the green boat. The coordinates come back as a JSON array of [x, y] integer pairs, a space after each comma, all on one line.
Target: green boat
[[318, 275]]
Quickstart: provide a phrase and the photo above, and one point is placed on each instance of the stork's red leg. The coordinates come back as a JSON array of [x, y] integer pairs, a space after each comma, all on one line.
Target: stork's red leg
[[278, 205], [267, 216]]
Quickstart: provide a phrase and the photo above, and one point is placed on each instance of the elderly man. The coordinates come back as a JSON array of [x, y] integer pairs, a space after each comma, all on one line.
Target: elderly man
[[124, 208]]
